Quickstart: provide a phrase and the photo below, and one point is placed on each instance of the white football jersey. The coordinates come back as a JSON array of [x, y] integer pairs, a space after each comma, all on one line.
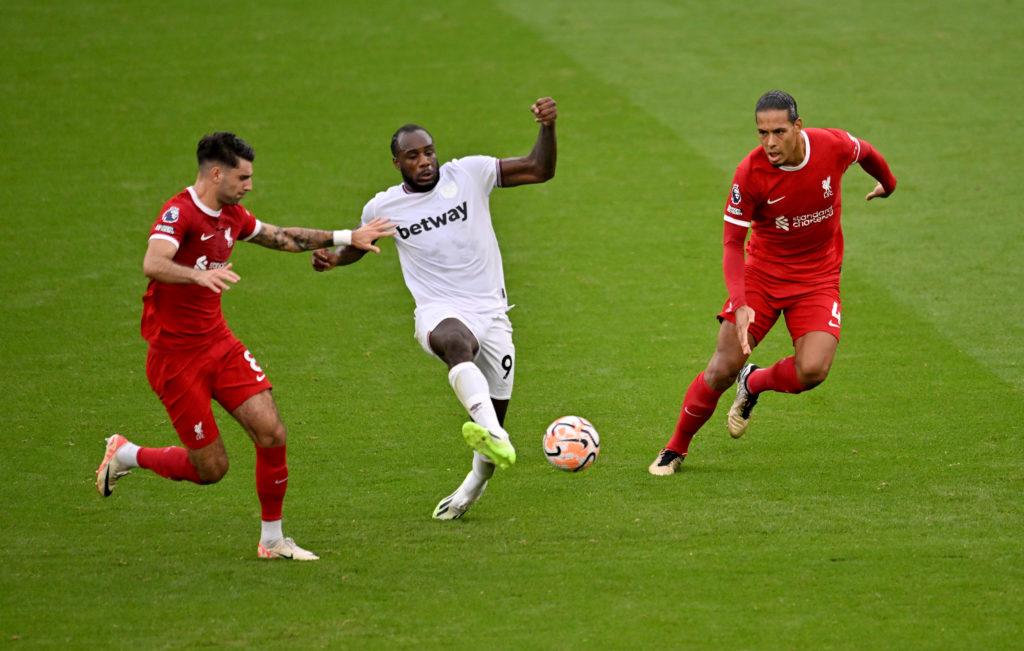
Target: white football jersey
[[445, 239]]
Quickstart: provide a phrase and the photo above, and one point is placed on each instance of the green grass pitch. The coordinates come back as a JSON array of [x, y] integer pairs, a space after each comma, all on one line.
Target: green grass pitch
[[882, 510]]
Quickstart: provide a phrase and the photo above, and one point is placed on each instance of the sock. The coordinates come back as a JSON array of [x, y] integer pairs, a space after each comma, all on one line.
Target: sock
[[128, 455], [475, 481], [270, 531], [780, 377], [271, 481], [172, 463], [483, 468], [698, 406], [471, 389]]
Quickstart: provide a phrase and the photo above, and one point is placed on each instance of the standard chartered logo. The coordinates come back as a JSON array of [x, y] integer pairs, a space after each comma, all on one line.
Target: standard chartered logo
[[202, 264]]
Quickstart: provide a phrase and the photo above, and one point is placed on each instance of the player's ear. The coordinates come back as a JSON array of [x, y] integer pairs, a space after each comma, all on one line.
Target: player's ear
[[799, 123]]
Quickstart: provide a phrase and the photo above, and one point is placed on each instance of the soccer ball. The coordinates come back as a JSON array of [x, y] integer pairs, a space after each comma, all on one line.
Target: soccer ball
[[571, 443]]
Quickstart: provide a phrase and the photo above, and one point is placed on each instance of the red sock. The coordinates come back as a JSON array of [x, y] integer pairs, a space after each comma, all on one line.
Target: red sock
[[698, 406], [172, 463], [271, 481], [780, 377]]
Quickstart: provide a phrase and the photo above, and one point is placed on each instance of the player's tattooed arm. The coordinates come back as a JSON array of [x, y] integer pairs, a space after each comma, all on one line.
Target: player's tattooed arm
[[309, 239], [293, 238]]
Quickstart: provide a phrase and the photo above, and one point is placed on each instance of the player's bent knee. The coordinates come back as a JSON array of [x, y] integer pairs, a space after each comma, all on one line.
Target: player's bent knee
[[211, 462], [274, 437], [211, 473], [812, 377], [719, 375]]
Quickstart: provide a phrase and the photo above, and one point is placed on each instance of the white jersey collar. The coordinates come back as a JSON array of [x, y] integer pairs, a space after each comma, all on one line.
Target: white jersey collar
[[202, 206], [807, 155]]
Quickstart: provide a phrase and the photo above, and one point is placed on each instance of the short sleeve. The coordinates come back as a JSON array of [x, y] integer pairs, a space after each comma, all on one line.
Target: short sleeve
[[739, 209], [170, 226], [369, 211], [484, 169]]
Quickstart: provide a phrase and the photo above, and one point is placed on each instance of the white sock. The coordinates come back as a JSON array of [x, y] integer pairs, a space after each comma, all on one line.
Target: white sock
[[128, 455], [271, 531], [473, 485], [483, 468], [471, 389]]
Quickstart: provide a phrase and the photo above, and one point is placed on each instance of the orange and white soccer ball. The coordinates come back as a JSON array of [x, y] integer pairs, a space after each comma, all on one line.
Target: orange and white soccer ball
[[571, 443]]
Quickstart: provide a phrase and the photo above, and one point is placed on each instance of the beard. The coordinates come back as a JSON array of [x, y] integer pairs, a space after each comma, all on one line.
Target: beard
[[416, 186]]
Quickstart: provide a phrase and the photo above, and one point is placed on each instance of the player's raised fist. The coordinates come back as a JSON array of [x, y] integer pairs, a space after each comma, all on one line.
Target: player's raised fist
[[545, 110]]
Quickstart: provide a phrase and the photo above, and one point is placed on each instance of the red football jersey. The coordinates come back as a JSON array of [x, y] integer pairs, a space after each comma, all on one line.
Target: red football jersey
[[185, 315], [794, 211]]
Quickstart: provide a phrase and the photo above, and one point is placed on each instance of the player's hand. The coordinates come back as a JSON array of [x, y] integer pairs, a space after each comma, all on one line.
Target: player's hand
[[325, 259], [545, 111], [216, 280], [364, 236], [744, 317], [879, 191]]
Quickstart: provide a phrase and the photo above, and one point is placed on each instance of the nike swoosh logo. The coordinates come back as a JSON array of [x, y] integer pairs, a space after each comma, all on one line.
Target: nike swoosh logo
[[280, 481], [771, 201], [260, 378], [205, 237]]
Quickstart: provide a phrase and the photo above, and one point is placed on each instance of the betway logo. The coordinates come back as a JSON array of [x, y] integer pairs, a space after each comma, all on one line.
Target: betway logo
[[456, 214]]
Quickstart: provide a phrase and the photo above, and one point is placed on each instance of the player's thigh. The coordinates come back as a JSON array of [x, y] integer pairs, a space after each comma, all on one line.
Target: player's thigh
[[497, 357], [239, 376], [813, 356], [816, 311], [437, 326], [259, 417], [727, 360], [184, 384], [766, 313]]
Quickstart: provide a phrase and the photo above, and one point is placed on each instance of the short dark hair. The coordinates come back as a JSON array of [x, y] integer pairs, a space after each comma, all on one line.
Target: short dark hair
[[405, 128], [777, 100], [223, 147]]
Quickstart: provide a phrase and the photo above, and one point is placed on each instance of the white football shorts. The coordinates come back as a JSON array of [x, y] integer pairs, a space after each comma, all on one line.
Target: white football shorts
[[493, 332]]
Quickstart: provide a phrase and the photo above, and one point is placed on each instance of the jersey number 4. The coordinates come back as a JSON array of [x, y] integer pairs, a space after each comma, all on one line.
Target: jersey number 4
[[836, 315]]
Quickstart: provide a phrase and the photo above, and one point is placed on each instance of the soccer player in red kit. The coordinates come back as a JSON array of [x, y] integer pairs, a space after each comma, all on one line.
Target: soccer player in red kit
[[193, 357], [787, 192]]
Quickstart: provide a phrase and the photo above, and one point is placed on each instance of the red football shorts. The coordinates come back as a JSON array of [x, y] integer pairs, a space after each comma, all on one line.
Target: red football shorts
[[187, 381], [806, 308]]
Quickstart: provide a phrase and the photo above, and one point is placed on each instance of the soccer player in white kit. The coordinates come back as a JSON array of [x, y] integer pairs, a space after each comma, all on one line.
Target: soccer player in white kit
[[452, 266]]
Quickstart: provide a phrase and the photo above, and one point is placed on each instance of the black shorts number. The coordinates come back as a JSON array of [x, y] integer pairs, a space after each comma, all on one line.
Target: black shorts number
[[506, 363]]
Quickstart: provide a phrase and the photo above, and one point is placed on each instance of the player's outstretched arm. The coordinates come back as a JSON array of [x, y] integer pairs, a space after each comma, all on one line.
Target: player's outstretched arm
[[365, 236], [292, 238], [363, 239], [159, 265], [295, 239], [539, 165]]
